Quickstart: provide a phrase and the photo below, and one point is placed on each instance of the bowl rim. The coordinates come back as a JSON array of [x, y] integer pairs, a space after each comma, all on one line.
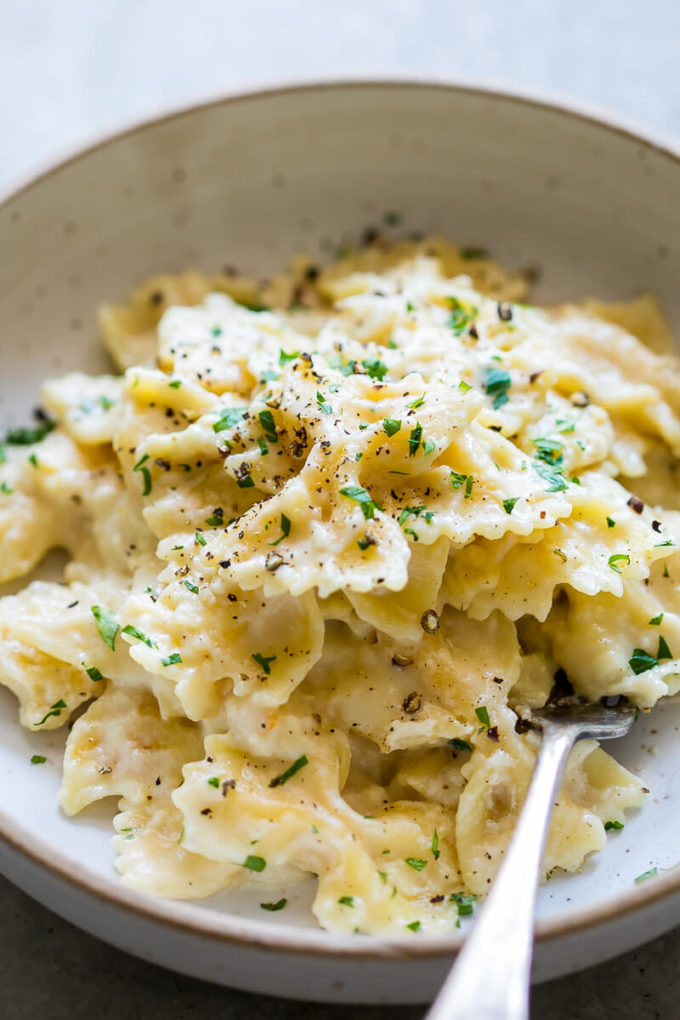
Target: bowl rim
[[189, 917]]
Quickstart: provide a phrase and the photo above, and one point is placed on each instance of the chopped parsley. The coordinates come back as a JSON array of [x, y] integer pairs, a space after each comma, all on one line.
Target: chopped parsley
[[414, 439], [263, 660], [610, 523], [618, 558], [646, 874], [366, 502], [416, 511], [375, 368], [199, 538], [279, 905], [414, 926], [193, 588], [509, 504], [264, 449], [556, 480], [27, 436], [469, 482], [346, 901], [253, 863], [145, 473], [418, 402], [216, 521], [139, 635], [38, 759], [612, 825], [107, 625], [214, 781], [175, 384], [496, 384], [549, 450], [6, 488], [465, 903], [483, 716], [323, 403], [417, 863], [436, 852], [33, 459], [245, 481], [460, 318], [391, 426], [298, 764], [459, 745], [285, 530], [266, 419], [171, 660], [285, 358], [458, 479], [93, 673], [664, 651], [641, 661], [230, 417], [428, 446], [656, 620], [54, 709]]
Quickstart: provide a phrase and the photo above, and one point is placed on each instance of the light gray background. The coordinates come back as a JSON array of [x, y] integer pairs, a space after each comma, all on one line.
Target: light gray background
[[72, 69]]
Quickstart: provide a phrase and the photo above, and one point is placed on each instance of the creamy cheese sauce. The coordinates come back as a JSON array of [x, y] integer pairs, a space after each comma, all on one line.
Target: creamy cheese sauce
[[326, 534]]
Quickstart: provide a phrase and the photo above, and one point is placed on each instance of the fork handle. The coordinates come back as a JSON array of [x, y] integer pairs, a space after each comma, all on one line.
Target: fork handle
[[490, 978]]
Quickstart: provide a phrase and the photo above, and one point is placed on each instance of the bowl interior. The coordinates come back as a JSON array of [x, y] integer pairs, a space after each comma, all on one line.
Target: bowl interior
[[251, 181]]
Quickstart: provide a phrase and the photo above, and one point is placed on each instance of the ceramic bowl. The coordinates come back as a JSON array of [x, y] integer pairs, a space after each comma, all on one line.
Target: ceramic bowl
[[249, 180]]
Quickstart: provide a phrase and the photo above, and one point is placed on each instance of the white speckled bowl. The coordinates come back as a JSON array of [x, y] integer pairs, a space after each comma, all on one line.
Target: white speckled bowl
[[250, 180]]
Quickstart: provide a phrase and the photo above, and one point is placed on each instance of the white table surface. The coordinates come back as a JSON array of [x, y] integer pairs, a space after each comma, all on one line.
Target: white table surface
[[73, 69]]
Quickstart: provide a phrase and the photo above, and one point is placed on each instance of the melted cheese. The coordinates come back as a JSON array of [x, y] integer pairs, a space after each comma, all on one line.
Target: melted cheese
[[333, 543]]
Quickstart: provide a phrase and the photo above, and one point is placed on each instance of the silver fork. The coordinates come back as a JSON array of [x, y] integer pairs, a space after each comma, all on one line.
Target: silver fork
[[490, 978]]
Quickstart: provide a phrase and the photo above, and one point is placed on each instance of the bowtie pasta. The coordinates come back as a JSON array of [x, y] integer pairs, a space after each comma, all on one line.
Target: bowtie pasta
[[327, 534]]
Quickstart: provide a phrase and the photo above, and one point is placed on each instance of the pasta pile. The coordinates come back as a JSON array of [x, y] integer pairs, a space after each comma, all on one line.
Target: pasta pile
[[326, 534]]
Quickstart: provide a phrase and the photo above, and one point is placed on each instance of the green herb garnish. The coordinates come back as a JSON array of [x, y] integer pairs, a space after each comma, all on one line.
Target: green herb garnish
[[55, 709], [483, 716], [622, 558], [266, 419], [414, 440], [459, 745], [139, 635], [285, 530], [279, 905], [230, 417], [107, 625], [263, 661], [254, 863], [641, 661], [363, 498], [145, 473], [298, 764], [27, 436], [496, 384], [323, 403], [171, 660]]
